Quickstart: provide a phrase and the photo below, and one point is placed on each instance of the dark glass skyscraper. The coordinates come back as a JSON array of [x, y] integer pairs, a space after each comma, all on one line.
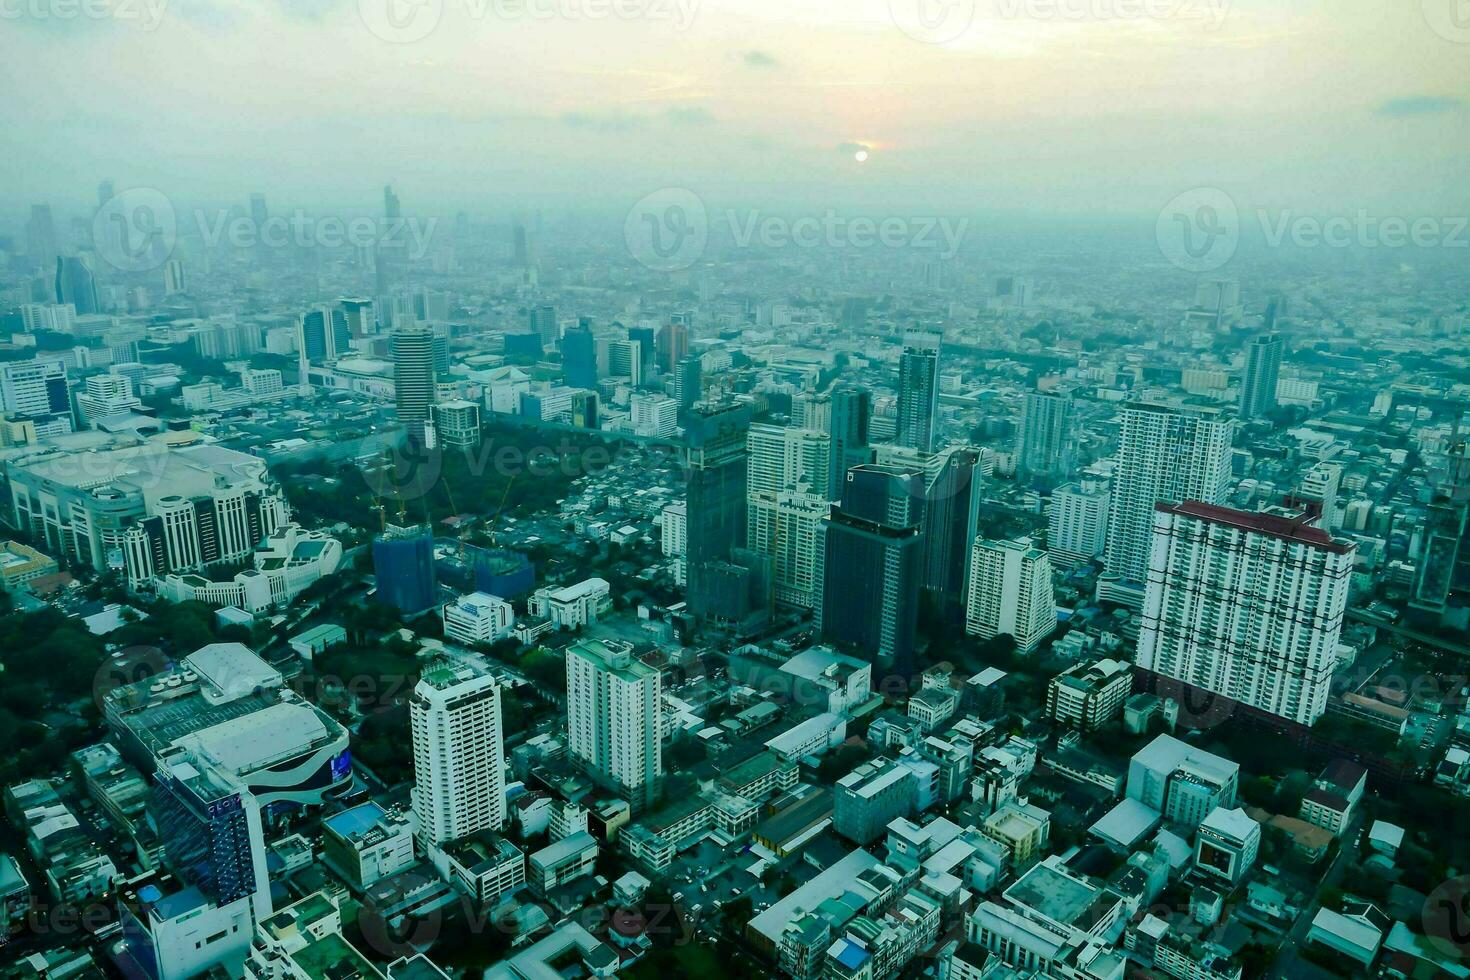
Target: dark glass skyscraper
[[579, 357], [918, 390], [951, 516], [403, 562], [852, 411], [1262, 371], [874, 564], [715, 497], [1044, 436], [76, 285]]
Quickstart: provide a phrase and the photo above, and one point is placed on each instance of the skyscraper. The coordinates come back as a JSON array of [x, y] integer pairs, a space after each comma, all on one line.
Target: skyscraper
[[1262, 371], [1010, 593], [688, 381], [389, 258], [41, 244], [874, 563], [76, 285], [211, 829], [715, 492], [1077, 523], [1248, 606], [918, 390], [852, 412], [613, 705], [783, 458], [1044, 435], [1167, 452], [579, 356], [173, 277], [788, 529], [458, 753], [672, 345], [542, 321], [951, 516], [403, 562], [414, 376]]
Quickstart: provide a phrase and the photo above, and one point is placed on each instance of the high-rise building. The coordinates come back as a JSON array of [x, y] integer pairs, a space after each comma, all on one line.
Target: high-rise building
[[403, 563], [788, 529], [389, 256], [613, 721], [715, 491], [1167, 452], [782, 458], [874, 563], [1320, 485], [918, 390], [625, 360], [579, 356], [323, 334], [457, 423], [689, 381], [458, 753], [1077, 522], [173, 277], [41, 238], [1044, 435], [672, 345], [1262, 371], [852, 412], [75, 284], [1010, 593], [951, 516], [414, 377], [1247, 606], [542, 322], [102, 395], [360, 316], [32, 389]]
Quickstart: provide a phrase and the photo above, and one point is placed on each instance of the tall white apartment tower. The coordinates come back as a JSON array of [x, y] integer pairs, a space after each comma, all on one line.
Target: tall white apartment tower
[[1077, 522], [1010, 592], [613, 718], [1168, 452], [458, 753], [1246, 605], [781, 458]]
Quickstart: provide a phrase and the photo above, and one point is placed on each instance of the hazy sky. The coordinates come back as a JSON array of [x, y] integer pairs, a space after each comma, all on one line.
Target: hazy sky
[[1046, 106]]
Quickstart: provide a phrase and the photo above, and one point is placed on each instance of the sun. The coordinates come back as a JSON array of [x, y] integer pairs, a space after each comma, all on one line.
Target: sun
[[861, 156]]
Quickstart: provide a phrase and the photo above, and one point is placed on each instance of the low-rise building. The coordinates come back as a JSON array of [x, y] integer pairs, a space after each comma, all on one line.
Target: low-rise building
[[367, 843], [1089, 696], [478, 618]]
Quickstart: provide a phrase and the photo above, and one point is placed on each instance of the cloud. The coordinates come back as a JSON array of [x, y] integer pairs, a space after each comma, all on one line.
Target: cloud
[[759, 59], [689, 116], [1420, 105], [852, 147], [609, 123]]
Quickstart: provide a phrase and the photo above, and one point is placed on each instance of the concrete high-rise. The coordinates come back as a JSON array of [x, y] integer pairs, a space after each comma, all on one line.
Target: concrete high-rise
[[613, 725], [918, 390], [1262, 372], [783, 458], [1248, 606], [1044, 435], [414, 377], [874, 563], [1167, 452], [458, 753], [1077, 522], [1010, 593]]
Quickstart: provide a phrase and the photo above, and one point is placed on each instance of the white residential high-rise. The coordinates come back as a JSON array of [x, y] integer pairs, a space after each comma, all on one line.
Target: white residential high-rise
[[458, 753], [1077, 522], [1168, 452], [653, 414], [790, 530], [1010, 593], [613, 703], [780, 458], [1248, 606], [674, 537], [1321, 484]]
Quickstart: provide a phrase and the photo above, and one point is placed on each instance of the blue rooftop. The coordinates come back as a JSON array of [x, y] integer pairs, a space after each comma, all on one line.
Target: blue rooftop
[[851, 955], [355, 822]]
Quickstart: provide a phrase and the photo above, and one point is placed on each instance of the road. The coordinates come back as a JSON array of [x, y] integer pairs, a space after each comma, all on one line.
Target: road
[[1285, 966]]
